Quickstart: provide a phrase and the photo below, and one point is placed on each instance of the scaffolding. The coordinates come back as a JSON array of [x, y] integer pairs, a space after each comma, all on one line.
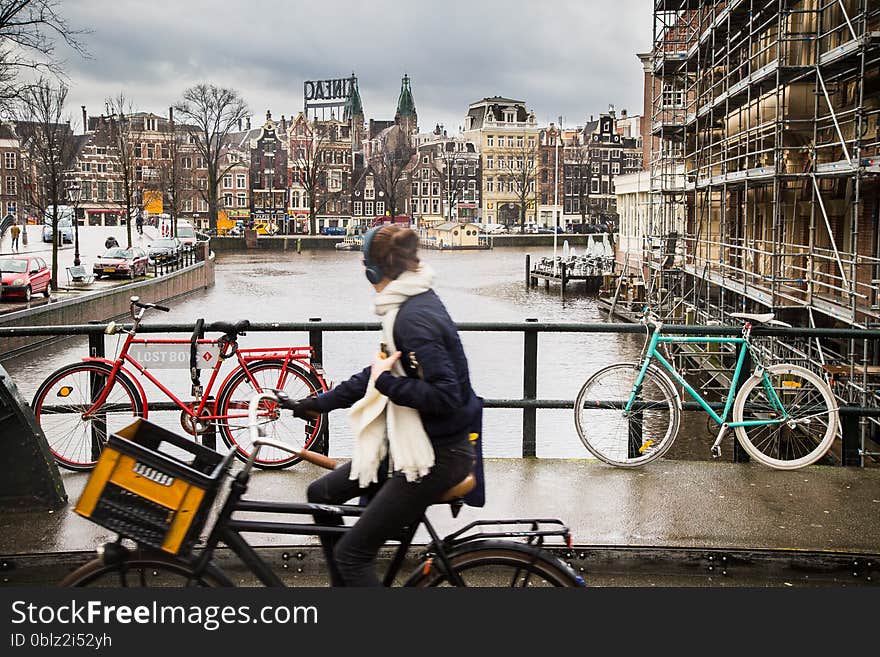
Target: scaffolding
[[765, 169]]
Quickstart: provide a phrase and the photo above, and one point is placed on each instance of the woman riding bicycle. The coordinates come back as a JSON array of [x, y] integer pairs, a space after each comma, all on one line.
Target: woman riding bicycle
[[413, 407]]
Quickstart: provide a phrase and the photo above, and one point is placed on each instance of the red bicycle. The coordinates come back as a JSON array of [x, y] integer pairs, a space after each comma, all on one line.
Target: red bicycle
[[80, 404]]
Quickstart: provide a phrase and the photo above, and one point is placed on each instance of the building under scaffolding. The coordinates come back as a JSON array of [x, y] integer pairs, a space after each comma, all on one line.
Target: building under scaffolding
[[765, 160]]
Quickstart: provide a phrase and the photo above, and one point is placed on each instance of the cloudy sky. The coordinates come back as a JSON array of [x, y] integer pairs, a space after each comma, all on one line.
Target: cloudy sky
[[570, 58]]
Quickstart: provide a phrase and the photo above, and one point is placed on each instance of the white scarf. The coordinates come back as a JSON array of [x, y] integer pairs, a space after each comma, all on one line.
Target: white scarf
[[375, 416]]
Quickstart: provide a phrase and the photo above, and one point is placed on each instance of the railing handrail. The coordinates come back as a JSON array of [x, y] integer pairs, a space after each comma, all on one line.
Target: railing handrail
[[513, 327]]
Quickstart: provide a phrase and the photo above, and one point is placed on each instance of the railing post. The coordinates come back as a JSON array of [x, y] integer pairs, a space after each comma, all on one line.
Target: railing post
[[528, 271], [96, 384], [851, 449], [530, 388], [739, 454], [316, 342]]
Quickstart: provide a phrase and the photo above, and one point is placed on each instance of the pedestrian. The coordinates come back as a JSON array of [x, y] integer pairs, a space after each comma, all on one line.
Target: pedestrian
[[14, 232], [140, 223], [418, 388], [110, 242]]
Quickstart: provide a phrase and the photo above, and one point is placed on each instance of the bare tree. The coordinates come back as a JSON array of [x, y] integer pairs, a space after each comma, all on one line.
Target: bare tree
[[389, 163], [49, 146], [125, 163], [581, 158], [453, 168], [519, 170], [214, 113], [310, 158], [28, 33], [172, 181]]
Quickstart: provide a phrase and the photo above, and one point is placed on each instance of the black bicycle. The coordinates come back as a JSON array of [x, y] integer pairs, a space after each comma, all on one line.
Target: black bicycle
[[490, 553]]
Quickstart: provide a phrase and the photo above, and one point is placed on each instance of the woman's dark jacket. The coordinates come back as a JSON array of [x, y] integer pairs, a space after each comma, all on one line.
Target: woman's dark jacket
[[437, 383]]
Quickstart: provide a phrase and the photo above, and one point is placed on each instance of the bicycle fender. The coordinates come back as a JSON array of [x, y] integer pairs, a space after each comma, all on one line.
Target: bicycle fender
[[124, 372]]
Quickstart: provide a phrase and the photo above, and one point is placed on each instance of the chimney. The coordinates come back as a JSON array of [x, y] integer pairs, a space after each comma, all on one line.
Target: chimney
[[85, 119], [248, 123], [623, 113], [283, 123], [171, 115], [239, 124]]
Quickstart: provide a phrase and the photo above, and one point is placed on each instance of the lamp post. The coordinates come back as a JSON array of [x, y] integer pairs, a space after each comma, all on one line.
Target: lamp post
[[74, 192], [556, 185]]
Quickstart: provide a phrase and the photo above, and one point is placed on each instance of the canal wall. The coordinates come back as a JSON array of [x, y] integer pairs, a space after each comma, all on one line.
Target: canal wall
[[318, 242], [104, 305]]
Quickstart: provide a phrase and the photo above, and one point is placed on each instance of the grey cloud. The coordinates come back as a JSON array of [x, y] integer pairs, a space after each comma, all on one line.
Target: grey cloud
[[569, 58]]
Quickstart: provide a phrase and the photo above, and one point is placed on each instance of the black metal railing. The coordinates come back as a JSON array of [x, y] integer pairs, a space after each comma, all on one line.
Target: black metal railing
[[163, 264], [851, 415]]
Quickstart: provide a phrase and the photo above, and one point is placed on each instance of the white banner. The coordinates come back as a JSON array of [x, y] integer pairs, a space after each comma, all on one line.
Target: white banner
[[174, 356]]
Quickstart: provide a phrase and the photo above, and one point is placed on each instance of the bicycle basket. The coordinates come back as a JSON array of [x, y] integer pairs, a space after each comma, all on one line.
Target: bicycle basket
[[153, 486]]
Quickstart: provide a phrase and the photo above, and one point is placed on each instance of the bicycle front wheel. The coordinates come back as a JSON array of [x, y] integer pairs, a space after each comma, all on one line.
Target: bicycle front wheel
[[138, 572], [63, 398], [232, 405], [807, 411], [498, 564], [626, 438]]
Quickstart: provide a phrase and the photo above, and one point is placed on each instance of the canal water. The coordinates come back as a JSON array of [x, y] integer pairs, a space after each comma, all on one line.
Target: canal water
[[476, 286]]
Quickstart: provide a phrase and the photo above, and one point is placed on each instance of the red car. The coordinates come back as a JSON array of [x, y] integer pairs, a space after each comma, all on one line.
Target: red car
[[24, 277], [117, 261]]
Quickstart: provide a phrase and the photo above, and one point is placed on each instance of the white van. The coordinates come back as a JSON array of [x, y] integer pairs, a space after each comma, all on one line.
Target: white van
[[184, 231]]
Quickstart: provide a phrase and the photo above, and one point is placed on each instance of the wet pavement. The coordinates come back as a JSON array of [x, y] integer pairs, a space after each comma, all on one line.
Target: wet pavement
[[668, 504]]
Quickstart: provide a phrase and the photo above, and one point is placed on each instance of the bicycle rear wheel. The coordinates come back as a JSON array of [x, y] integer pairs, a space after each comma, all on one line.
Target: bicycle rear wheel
[[626, 439], [133, 571], [232, 404], [66, 394], [811, 426], [498, 564]]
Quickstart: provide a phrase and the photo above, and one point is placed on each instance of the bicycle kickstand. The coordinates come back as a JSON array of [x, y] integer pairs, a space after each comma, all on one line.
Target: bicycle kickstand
[[716, 446]]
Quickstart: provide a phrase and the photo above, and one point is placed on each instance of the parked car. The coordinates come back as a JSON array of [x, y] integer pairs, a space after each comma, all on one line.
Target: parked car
[[129, 263], [65, 230], [494, 229], [166, 250], [333, 230], [24, 277], [187, 235]]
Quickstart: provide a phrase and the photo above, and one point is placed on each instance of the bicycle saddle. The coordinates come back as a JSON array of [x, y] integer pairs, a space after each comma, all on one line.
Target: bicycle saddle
[[460, 489], [763, 318], [232, 330]]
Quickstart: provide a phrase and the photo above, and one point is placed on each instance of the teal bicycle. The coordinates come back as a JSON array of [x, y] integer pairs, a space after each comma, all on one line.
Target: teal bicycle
[[784, 415]]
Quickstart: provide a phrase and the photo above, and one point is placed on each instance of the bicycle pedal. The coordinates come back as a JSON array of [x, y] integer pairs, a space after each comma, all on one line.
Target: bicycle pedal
[[716, 452]]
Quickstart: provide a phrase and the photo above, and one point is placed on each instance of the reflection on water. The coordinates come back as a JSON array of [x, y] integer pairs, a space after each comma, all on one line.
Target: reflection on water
[[476, 286]]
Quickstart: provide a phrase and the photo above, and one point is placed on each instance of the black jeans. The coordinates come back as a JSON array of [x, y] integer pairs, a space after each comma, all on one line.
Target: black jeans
[[394, 504]]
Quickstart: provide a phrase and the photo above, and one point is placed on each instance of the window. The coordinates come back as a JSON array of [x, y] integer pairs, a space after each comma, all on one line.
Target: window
[[490, 161], [358, 208], [86, 186], [242, 200], [490, 185], [117, 191], [435, 189], [424, 206], [85, 166], [239, 181], [166, 153], [425, 159], [425, 174], [615, 167], [380, 207], [595, 167], [490, 141], [594, 186], [102, 190], [672, 98], [187, 162], [9, 160], [415, 189], [531, 142], [100, 150], [200, 162], [435, 207], [510, 141], [335, 181], [368, 208], [101, 167], [519, 141], [10, 185], [188, 205], [149, 151], [203, 205], [424, 189], [370, 192], [227, 200], [227, 181], [519, 163], [202, 183]]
